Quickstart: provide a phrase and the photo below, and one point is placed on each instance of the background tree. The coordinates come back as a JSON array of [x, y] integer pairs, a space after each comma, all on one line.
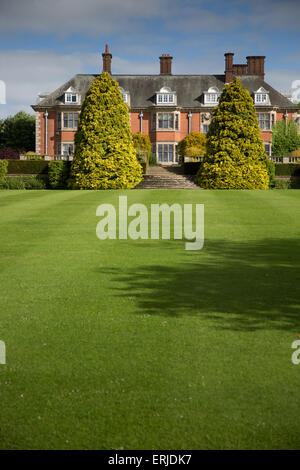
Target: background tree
[[193, 145], [18, 131], [235, 158], [285, 138], [104, 156]]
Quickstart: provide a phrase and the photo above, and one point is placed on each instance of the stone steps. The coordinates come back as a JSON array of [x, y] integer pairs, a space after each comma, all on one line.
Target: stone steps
[[168, 181]]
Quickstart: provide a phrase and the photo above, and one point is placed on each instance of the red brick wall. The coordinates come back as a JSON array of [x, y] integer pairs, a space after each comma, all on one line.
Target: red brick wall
[[155, 136]]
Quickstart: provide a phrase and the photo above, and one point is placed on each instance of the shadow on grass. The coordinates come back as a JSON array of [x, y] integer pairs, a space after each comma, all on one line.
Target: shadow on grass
[[242, 286]]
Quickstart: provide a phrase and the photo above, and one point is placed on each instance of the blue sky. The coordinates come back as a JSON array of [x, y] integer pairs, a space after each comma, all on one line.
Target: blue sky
[[43, 44]]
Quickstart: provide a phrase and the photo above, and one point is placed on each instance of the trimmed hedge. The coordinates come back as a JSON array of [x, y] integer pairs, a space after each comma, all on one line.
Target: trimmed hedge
[[27, 167], [287, 169]]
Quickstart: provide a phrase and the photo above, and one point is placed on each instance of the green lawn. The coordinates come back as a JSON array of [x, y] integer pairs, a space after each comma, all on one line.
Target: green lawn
[[141, 344]]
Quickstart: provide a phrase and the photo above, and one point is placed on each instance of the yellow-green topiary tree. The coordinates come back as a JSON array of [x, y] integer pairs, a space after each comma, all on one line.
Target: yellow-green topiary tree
[[104, 156], [235, 158]]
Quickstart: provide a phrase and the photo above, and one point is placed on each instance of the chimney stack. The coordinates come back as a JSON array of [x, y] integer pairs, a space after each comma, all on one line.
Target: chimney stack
[[106, 60], [256, 65], [239, 69], [165, 64], [228, 66]]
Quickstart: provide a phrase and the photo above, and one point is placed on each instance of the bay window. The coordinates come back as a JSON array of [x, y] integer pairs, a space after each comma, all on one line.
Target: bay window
[[165, 121]]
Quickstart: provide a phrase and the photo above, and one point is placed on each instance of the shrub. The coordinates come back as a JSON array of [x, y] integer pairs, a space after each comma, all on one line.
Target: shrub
[[193, 145], [236, 158], [142, 142], [34, 183], [271, 171], [20, 182], [12, 183], [58, 173], [282, 184], [152, 159], [27, 167], [3, 169], [9, 153], [104, 157]]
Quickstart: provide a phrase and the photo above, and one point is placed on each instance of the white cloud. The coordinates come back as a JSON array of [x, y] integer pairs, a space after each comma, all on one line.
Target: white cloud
[[282, 80], [26, 73]]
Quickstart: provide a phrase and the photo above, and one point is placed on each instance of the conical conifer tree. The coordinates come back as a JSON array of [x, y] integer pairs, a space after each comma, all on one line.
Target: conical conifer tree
[[235, 158], [104, 157]]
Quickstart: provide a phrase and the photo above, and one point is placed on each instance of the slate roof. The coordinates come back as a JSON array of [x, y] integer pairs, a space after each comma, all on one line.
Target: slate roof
[[142, 89]]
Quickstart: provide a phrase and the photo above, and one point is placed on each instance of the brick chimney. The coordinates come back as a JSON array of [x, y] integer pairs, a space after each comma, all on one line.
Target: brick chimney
[[165, 64], [106, 60], [239, 69], [228, 66], [256, 65]]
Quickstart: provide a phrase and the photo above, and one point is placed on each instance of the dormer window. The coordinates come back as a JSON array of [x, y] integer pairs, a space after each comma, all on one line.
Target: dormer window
[[211, 96], [125, 95], [71, 97], [165, 97], [261, 97]]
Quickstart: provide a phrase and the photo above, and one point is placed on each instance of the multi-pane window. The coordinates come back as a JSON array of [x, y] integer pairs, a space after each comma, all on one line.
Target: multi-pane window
[[205, 128], [165, 153], [261, 98], [267, 148], [71, 98], [165, 98], [169, 121], [65, 149], [211, 98], [264, 121], [70, 120]]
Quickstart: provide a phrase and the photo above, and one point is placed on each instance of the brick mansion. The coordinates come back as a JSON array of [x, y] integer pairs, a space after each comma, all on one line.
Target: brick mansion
[[164, 106]]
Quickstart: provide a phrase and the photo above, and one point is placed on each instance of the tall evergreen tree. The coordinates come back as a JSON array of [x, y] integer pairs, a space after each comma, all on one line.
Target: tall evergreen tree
[[235, 158], [104, 157]]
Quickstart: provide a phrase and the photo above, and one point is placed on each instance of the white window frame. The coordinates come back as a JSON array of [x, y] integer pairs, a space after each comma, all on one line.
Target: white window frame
[[270, 148], [70, 95], [60, 146], [174, 153], [264, 120], [261, 97], [155, 120], [211, 96], [166, 97], [60, 121]]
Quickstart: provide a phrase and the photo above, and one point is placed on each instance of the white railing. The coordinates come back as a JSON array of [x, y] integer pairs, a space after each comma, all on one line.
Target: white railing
[[46, 157]]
